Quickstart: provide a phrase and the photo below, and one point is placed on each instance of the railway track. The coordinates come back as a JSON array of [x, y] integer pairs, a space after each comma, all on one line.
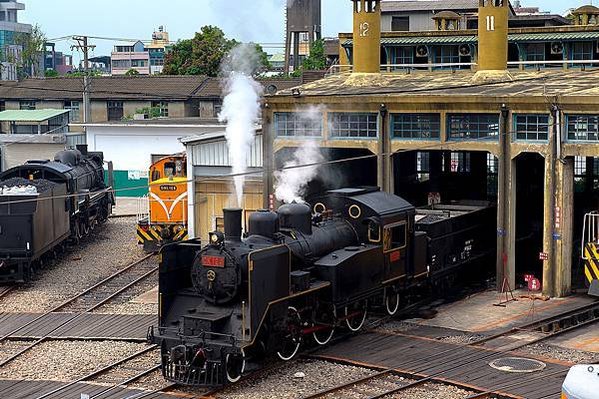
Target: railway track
[[5, 290], [527, 334], [86, 301]]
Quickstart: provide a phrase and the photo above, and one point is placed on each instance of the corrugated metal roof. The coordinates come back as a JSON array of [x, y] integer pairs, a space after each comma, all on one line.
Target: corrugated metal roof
[[38, 115], [430, 5], [553, 36], [409, 40], [216, 153], [459, 39]]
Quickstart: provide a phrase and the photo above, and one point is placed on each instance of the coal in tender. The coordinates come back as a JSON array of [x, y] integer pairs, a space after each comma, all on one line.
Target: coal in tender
[[41, 185]]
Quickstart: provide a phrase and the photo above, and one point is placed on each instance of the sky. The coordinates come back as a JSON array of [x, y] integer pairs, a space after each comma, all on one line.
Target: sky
[[260, 21]]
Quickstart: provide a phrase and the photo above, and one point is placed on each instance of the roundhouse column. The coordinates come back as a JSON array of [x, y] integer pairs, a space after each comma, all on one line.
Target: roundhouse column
[[268, 162], [564, 210], [548, 228], [506, 208]]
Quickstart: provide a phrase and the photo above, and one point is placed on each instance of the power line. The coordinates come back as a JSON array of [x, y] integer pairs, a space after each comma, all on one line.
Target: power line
[[259, 171]]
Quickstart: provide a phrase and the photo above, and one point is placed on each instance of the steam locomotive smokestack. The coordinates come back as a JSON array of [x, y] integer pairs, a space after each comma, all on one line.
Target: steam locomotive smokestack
[[233, 223]]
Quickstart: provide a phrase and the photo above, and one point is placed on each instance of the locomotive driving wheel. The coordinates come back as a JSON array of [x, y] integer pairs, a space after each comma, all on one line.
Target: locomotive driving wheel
[[234, 366], [391, 301], [324, 322], [355, 315], [293, 337]]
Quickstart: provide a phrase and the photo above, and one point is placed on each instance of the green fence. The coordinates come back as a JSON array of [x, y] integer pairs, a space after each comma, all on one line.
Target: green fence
[[128, 184]]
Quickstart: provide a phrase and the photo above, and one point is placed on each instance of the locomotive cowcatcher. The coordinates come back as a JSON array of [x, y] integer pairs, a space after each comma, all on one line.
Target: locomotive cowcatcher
[[299, 274]]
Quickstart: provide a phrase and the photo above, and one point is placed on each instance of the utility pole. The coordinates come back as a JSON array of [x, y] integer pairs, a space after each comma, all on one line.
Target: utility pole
[[82, 44]]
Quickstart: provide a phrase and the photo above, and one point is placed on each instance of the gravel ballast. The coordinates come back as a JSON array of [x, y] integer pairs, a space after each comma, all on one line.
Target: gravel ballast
[[66, 360], [556, 352], [282, 383], [111, 247]]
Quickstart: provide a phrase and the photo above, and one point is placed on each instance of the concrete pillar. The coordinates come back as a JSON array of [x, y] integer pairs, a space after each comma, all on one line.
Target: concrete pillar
[[268, 162], [548, 225], [191, 195], [385, 169], [564, 212]]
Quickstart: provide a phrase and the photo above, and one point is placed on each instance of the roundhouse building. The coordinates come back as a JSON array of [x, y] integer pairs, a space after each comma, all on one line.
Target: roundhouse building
[[525, 138]]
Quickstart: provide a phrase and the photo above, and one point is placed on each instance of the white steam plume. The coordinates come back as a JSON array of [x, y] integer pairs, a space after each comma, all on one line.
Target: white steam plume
[[241, 108], [291, 184]]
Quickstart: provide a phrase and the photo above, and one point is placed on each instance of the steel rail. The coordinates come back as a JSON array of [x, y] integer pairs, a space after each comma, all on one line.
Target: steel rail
[[96, 373], [76, 315], [474, 356]]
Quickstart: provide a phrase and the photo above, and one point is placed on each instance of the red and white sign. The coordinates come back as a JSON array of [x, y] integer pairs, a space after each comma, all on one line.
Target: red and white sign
[[271, 202], [434, 198], [213, 261], [558, 217], [543, 256]]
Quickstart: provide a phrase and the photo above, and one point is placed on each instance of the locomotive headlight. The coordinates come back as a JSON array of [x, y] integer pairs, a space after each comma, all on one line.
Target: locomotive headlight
[[216, 238]]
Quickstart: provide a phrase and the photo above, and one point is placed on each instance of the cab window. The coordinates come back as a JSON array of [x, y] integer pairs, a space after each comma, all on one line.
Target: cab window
[[170, 169], [155, 175], [374, 231], [394, 237]]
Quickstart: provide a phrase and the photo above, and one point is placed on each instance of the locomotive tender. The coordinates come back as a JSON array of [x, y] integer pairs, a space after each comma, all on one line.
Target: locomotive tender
[[301, 273], [46, 204]]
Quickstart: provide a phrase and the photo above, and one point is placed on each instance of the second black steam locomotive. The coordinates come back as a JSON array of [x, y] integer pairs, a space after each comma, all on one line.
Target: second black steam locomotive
[[301, 273], [46, 204]]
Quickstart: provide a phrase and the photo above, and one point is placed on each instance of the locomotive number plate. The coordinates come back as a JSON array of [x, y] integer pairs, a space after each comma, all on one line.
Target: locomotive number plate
[[394, 256], [168, 187], [213, 261]]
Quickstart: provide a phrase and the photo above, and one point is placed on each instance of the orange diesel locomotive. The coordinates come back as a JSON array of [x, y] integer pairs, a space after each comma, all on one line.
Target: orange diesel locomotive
[[164, 218]]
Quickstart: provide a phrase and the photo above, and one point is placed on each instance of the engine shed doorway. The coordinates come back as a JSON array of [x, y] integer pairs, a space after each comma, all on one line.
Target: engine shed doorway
[[529, 175], [422, 176]]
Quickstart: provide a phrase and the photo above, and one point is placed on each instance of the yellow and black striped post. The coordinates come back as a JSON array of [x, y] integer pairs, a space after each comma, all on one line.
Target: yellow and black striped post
[[591, 263]]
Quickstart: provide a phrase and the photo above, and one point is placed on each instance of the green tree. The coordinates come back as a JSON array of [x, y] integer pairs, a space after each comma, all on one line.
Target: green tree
[[317, 60], [132, 72], [51, 73], [203, 54], [80, 74], [30, 61]]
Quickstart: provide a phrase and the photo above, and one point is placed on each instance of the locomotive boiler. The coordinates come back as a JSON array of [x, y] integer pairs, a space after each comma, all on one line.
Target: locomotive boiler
[[301, 273]]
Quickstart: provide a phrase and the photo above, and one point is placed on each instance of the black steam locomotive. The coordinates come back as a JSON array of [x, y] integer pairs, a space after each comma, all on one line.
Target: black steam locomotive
[[46, 204], [301, 273]]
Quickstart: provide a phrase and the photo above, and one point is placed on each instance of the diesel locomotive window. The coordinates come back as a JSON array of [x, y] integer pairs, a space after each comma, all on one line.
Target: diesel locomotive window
[[472, 126], [297, 124], [416, 126], [351, 124], [531, 127]]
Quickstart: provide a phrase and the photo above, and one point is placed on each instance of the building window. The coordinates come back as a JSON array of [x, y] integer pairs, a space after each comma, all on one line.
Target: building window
[[423, 168], [472, 126], [535, 52], [75, 108], [402, 56], [27, 105], [416, 126], [121, 63], [582, 51], [400, 24], [586, 174], [2, 106], [295, 124], [138, 63], [350, 124], [115, 110], [162, 106], [531, 127], [446, 55], [583, 127]]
